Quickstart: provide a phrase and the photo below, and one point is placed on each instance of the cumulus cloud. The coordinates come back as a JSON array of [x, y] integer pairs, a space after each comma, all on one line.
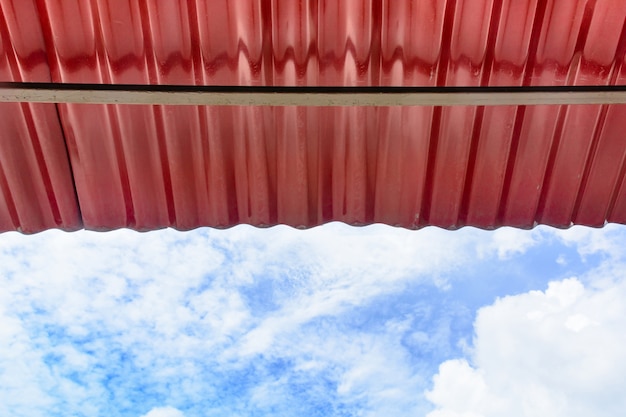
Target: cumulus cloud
[[557, 352]]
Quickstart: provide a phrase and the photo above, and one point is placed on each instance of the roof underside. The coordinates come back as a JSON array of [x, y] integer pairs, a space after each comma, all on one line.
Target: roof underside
[[146, 167]]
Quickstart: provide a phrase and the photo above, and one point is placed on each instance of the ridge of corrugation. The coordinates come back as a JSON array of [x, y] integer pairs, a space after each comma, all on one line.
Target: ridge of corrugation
[[146, 167]]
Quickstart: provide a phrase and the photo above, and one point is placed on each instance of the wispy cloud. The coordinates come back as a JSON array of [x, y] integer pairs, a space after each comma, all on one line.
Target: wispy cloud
[[334, 320]]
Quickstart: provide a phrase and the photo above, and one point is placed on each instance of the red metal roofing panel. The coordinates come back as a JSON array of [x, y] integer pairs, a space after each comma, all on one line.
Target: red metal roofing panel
[[147, 167], [36, 188]]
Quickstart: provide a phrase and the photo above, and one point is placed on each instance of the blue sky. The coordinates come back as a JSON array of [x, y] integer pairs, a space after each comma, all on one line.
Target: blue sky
[[331, 321]]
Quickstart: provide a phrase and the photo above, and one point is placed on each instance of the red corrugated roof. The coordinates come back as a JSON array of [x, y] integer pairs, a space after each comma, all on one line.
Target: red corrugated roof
[[145, 167]]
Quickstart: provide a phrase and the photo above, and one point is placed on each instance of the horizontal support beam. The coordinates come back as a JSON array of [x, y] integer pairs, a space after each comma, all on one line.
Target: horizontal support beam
[[307, 96]]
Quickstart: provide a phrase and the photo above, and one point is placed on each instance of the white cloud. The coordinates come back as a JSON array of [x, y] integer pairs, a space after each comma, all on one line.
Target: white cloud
[[345, 267], [224, 322], [22, 372], [557, 352], [72, 304], [164, 412], [472, 399], [91, 320], [507, 242], [369, 370], [608, 240]]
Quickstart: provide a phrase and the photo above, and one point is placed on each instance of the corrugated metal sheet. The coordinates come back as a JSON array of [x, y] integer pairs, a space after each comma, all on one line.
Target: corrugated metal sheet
[[147, 167]]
